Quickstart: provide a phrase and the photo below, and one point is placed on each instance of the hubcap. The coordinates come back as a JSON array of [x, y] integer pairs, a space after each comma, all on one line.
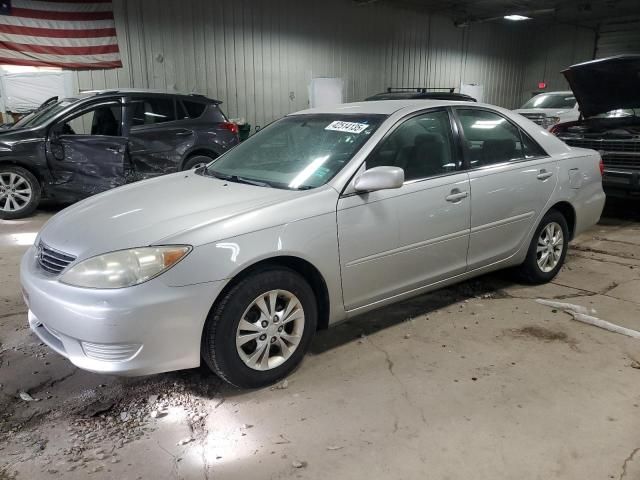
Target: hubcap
[[550, 246], [15, 192], [270, 330]]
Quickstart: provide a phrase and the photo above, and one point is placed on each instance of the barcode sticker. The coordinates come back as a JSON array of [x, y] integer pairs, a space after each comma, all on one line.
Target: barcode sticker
[[349, 127]]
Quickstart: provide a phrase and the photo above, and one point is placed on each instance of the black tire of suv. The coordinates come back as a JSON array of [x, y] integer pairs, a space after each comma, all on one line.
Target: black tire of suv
[[529, 271], [194, 160], [218, 347], [36, 192]]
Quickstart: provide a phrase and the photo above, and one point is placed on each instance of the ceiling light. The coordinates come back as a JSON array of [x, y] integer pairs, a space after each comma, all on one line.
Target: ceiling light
[[516, 18]]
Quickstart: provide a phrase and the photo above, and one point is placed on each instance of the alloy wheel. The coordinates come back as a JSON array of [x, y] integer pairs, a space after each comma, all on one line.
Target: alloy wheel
[[270, 330], [550, 247], [15, 192]]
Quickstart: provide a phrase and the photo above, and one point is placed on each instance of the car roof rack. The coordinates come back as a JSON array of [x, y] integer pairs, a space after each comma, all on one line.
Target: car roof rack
[[419, 89]]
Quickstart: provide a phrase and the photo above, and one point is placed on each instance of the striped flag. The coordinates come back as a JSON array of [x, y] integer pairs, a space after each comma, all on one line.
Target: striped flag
[[74, 34]]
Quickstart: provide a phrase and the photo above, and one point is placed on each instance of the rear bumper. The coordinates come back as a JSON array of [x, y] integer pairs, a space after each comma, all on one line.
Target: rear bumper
[[621, 183], [149, 328]]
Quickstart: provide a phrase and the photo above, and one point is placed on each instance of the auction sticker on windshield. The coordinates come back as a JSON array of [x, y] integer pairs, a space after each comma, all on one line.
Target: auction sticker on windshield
[[349, 127]]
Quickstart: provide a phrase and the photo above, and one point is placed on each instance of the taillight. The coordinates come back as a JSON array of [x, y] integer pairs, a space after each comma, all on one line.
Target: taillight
[[555, 129], [601, 167], [232, 127]]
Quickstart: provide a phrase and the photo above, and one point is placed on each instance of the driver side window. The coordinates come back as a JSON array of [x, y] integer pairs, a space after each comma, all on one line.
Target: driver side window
[[421, 146], [102, 120]]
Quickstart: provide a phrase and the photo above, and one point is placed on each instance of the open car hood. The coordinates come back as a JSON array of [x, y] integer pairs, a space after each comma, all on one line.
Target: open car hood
[[606, 84]]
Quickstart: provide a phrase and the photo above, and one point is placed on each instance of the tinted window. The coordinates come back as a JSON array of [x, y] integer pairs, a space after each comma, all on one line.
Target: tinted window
[[102, 120], [421, 146], [489, 138], [152, 110], [531, 148], [192, 109], [297, 152]]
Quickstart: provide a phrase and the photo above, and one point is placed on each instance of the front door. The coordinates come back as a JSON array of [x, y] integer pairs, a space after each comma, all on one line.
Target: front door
[[158, 139], [394, 241], [512, 180], [86, 152]]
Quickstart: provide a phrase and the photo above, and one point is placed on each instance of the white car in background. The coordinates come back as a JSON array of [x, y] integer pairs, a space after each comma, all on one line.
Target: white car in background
[[547, 109]]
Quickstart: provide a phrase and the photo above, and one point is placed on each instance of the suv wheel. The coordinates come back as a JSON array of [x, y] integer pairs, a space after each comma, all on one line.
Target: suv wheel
[[19, 192], [547, 250], [196, 161], [259, 331]]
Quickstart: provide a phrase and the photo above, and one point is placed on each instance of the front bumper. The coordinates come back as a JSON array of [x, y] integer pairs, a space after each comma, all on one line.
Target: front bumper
[[621, 182], [149, 328]]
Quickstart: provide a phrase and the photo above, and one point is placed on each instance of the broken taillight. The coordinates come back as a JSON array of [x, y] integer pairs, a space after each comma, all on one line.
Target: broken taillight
[[232, 127]]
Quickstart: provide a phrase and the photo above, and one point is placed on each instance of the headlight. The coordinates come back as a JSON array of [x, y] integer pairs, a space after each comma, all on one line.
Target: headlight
[[124, 268], [548, 121]]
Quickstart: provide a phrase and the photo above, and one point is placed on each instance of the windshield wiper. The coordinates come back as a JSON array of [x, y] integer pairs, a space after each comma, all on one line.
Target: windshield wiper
[[237, 179]]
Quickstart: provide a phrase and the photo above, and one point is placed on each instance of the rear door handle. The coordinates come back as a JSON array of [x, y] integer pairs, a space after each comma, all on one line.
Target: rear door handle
[[183, 133], [543, 175], [114, 149], [456, 196]]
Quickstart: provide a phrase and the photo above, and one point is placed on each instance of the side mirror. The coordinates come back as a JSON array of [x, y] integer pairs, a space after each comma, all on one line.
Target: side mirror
[[379, 178]]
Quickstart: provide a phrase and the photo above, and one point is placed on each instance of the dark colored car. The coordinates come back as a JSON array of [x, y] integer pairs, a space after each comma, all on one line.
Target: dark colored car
[[420, 93], [76, 147], [608, 95]]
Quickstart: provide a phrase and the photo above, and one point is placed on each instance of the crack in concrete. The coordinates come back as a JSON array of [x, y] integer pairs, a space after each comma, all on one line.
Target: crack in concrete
[[580, 248], [626, 463], [7, 315], [624, 242], [174, 460], [405, 391]]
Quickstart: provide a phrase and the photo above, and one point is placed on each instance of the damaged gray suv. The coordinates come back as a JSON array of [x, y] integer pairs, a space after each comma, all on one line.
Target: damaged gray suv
[[76, 147]]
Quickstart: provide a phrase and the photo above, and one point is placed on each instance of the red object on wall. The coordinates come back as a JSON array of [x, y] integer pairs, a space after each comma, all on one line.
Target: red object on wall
[[542, 85], [69, 34]]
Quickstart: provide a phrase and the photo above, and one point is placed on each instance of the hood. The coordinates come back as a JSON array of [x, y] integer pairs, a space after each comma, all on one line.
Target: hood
[[606, 84], [549, 112], [153, 212]]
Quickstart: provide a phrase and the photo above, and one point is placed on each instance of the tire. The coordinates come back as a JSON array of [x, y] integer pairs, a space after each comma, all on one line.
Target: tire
[[19, 192], [196, 161], [219, 347], [531, 271]]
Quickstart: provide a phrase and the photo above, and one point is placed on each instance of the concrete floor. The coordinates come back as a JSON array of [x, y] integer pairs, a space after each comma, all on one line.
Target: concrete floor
[[476, 381]]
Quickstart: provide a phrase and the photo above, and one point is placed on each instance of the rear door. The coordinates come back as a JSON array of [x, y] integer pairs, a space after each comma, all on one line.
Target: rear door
[[86, 151], [158, 137], [512, 180]]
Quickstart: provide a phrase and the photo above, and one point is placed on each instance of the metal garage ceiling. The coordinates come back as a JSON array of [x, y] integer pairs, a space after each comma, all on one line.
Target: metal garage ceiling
[[585, 12]]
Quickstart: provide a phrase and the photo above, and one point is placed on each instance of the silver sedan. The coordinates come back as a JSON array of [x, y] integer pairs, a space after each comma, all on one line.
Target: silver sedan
[[325, 214]]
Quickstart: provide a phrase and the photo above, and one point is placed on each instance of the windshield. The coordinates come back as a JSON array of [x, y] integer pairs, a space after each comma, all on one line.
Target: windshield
[[556, 100], [297, 152], [40, 116]]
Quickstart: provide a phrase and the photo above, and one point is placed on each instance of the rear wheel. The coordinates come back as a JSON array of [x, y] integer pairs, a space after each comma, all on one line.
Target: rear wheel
[[196, 161], [259, 331], [19, 192], [547, 250]]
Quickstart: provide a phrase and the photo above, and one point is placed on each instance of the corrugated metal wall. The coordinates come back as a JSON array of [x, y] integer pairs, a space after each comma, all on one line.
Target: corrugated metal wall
[[258, 57], [619, 36], [550, 49]]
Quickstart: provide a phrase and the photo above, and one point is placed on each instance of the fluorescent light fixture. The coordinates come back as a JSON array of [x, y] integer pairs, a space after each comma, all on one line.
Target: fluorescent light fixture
[[516, 18]]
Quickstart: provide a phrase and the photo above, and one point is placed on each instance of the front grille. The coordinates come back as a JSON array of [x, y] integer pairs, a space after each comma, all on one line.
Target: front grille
[[51, 260], [535, 117], [607, 145], [615, 153]]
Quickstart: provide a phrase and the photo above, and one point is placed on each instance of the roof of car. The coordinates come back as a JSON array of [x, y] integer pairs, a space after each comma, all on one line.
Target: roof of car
[[382, 107], [420, 95], [142, 91]]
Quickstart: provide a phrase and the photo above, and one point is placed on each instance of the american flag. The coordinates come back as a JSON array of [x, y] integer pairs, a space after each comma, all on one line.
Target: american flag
[[58, 33]]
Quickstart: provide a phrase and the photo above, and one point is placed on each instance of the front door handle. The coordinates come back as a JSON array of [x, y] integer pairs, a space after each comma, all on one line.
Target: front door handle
[[543, 175], [114, 149], [456, 196], [183, 133]]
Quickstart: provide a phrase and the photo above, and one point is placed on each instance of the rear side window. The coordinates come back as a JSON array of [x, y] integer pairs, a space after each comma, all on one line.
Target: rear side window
[[149, 111], [192, 109], [489, 138], [531, 148]]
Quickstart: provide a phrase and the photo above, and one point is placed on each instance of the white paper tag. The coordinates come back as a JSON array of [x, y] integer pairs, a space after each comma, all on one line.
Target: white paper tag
[[349, 127]]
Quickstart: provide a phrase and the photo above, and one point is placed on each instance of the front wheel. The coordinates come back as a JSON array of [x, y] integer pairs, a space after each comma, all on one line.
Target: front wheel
[[259, 331], [196, 161], [19, 192], [547, 250]]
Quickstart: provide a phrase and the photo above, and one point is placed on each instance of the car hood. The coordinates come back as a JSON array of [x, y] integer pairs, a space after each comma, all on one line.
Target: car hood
[[607, 84], [153, 212], [549, 112]]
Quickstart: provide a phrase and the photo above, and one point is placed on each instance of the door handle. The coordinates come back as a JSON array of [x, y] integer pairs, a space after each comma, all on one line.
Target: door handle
[[114, 149], [183, 133], [456, 196], [543, 175]]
